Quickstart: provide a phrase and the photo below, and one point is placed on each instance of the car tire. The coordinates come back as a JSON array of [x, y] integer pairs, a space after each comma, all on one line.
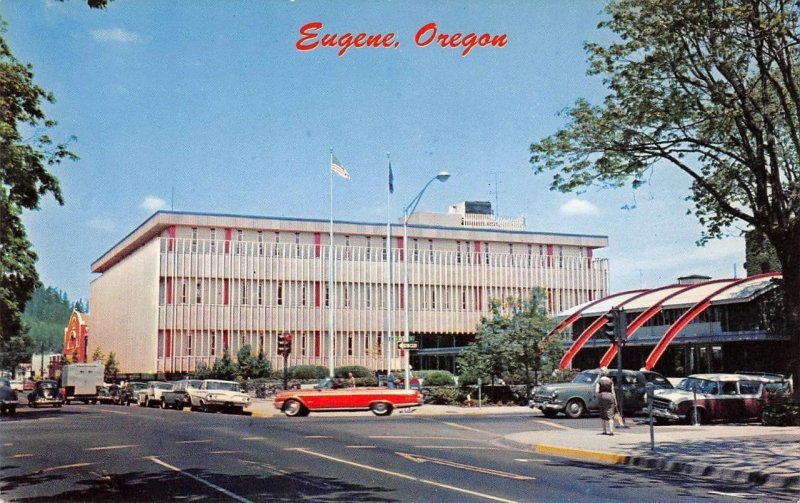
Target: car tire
[[550, 414], [381, 409], [178, 405], [293, 408], [205, 408], [701, 416], [574, 409], [164, 404]]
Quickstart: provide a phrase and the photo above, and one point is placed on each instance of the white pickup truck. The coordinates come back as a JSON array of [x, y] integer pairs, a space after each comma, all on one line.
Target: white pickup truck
[[214, 394]]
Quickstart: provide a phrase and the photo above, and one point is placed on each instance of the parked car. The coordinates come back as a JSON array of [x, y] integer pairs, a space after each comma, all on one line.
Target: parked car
[[215, 394], [8, 397], [327, 396], [151, 395], [46, 392], [111, 393], [130, 392], [720, 397], [578, 397], [178, 397]]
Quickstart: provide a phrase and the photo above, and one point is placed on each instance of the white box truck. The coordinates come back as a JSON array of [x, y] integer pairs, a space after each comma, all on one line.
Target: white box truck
[[82, 380]]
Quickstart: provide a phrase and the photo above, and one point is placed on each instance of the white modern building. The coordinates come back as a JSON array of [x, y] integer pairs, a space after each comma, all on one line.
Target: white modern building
[[183, 287]]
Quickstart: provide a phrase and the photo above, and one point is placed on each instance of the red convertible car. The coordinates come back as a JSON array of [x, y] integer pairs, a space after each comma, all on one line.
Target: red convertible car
[[329, 397]]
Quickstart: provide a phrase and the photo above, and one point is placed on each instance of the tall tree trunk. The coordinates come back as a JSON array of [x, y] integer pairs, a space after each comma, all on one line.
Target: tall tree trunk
[[787, 247]]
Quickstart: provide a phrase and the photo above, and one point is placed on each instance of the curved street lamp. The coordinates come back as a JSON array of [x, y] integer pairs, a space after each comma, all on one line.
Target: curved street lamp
[[407, 212]]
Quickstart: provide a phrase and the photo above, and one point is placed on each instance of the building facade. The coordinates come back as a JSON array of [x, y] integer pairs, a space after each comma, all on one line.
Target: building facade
[[184, 287], [76, 337]]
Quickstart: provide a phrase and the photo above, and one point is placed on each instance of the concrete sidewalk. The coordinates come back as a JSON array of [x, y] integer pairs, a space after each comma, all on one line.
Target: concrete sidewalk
[[742, 453]]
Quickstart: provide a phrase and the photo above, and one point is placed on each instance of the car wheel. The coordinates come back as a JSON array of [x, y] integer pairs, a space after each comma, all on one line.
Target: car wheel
[[205, 407], [381, 409], [574, 409], [550, 413], [178, 405], [164, 404], [294, 408], [701, 416]]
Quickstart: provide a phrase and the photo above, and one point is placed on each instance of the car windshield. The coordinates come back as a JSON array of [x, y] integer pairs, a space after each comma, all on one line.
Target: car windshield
[[586, 378], [164, 385], [225, 386], [700, 385], [48, 384]]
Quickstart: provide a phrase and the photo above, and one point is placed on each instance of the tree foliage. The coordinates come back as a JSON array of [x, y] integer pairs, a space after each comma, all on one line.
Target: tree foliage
[[15, 350], [512, 339], [112, 366], [710, 89], [251, 366], [24, 179], [46, 314]]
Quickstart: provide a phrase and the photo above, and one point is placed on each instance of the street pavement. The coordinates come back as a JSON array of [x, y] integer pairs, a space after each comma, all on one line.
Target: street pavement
[[741, 453]]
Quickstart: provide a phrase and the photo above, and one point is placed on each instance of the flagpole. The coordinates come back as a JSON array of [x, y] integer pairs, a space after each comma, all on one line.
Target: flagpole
[[330, 277], [389, 306]]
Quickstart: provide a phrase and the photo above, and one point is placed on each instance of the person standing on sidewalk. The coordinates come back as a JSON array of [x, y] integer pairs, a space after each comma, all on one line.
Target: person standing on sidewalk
[[351, 379], [608, 403]]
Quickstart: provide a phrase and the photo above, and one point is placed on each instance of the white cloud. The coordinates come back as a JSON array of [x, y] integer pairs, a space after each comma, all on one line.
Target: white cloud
[[101, 224], [578, 207], [153, 203], [117, 35]]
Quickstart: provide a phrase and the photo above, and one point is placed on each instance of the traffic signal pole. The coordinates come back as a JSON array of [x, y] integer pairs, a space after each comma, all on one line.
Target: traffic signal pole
[[620, 329]]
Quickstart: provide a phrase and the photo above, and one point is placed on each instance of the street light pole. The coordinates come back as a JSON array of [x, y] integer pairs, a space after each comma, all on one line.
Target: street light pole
[[407, 212]]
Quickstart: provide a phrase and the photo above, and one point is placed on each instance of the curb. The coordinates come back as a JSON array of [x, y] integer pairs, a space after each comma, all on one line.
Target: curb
[[741, 476]]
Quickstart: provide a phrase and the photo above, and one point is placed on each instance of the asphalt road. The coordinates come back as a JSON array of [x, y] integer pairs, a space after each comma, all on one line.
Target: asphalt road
[[106, 452]]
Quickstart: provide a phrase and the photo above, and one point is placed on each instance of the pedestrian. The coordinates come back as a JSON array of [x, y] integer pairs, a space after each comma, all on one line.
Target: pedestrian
[[390, 380], [352, 379], [608, 404]]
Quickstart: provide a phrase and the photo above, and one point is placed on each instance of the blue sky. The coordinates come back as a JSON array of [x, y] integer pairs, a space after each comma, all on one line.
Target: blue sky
[[212, 100]]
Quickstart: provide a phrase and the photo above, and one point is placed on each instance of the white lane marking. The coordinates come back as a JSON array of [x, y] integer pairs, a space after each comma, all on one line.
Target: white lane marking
[[469, 447], [325, 486], [401, 475], [25, 455], [193, 442], [115, 412], [554, 425], [412, 437], [225, 452], [361, 446], [424, 459], [64, 467], [734, 495], [253, 438], [530, 460], [7, 445], [455, 425], [317, 436], [202, 481], [111, 447]]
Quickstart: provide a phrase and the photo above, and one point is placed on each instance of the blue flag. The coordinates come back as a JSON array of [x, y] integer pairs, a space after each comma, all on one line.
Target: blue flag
[[391, 180]]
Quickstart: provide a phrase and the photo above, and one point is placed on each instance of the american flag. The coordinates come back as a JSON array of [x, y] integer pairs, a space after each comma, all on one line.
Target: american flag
[[391, 180], [337, 168]]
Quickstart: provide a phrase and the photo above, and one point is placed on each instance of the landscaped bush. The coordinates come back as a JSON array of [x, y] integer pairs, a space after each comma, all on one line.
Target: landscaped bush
[[784, 412], [357, 370], [436, 378], [308, 372], [444, 395]]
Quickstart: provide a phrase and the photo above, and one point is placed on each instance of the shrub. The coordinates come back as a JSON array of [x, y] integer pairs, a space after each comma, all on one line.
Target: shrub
[[437, 378], [784, 412], [445, 395], [308, 372], [357, 370]]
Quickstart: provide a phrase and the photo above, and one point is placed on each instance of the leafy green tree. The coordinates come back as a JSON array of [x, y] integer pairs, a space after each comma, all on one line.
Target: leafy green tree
[[488, 355], [97, 355], [24, 179], [46, 314], [527, 333], [16, 350], [710, 89], [202, 371], [224, 367], [261, 367], [112, 366], [245, 362]]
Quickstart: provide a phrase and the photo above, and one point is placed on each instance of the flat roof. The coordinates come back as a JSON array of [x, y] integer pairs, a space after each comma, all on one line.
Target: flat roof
[[162, 219]]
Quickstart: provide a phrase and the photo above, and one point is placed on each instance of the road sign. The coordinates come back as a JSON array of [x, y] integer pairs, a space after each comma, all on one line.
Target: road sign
[[407, 345]]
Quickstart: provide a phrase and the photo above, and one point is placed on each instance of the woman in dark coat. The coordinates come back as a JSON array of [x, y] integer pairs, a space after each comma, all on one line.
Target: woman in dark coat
[[608, 404]]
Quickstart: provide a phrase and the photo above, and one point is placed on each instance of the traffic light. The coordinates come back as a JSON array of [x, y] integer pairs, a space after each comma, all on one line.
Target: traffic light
[[281, 344], [287, 346], [610, 328]]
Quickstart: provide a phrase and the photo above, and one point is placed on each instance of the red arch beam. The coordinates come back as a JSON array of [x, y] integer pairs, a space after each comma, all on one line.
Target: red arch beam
[[646, 315], [691, 314], [567, 322], [589, 332]]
